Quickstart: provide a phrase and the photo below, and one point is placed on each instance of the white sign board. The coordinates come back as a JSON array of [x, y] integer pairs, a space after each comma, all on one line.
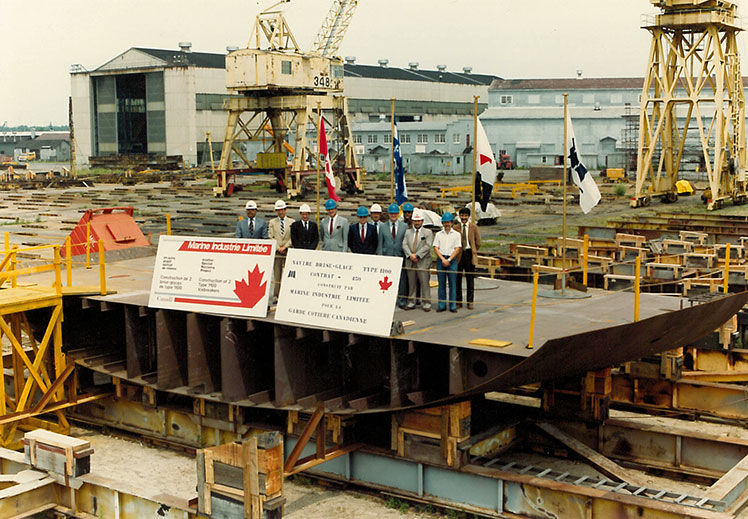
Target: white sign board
[[339, 291], [216, 275]]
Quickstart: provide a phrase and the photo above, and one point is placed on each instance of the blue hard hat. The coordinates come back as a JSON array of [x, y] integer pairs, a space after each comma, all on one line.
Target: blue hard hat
[[393, 209], [447, 217], [330, 204], [362, 211], [407, 206]]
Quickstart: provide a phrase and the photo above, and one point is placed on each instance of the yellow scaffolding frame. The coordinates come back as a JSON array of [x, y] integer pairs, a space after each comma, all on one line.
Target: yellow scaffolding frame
[[42, 382]]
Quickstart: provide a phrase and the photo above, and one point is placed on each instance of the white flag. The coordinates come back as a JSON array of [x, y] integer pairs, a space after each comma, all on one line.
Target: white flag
[[485, 168], [589, 194]]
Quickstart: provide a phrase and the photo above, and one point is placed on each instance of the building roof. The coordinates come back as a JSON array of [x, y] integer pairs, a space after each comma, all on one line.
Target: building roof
[[552, 112], [407, 74], [37, 144], [57, 136], [212, 60], [178, 57], [568, 83]]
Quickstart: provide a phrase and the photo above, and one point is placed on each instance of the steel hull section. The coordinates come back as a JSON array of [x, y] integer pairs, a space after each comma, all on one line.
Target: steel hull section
[[270, 365]]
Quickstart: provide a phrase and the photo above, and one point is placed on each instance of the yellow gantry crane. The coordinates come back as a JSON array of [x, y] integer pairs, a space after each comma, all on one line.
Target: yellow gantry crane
[[281, 88], [693, 79]]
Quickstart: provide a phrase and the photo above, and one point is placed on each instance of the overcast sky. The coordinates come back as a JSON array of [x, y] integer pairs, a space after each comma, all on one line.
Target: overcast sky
[[511, 39]]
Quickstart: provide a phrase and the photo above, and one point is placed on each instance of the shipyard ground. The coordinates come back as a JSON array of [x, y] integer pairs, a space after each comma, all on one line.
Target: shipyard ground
[[47, 215]]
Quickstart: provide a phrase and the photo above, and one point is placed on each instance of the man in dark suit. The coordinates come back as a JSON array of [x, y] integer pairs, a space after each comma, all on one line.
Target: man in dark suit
[[253, 226], [304, 234], [362, 236]]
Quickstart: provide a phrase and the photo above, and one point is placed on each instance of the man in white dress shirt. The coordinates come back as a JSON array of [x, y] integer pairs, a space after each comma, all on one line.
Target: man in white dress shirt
[[447, 248]]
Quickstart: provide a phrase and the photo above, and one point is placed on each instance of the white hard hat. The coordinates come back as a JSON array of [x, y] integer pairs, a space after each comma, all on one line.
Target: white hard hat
[[417, 215], [280, 204], [376, 208], [251, 205], [304, 208]]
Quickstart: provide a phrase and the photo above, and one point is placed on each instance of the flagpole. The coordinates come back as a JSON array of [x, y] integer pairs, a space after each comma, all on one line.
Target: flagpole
[[563, 224], [475, 153], [392, 152], [319, 138]]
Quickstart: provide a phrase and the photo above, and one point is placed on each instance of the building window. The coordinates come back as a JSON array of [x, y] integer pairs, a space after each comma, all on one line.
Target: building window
[[387, 138], [357, 139], [506, 100], [422, 138], [533, 99], [543, 159], [458, 160], [405, 138], [372, 139], [285, 67], [440, 138], [455, 138]]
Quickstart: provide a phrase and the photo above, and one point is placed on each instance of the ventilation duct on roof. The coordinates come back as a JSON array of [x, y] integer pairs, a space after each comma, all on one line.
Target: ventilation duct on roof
[[185, 46], [383, 62], [441, 68], [413, 65], [351, 60]]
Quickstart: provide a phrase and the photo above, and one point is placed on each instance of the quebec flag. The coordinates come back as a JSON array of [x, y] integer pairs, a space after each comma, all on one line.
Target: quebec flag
[[401, 192], [589, 194]]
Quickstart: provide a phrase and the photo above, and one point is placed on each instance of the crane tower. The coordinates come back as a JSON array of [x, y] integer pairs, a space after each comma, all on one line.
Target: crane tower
[[280, 89], [693, 78]]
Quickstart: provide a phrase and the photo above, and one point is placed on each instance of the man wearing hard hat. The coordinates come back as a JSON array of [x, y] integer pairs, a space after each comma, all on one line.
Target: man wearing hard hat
[[334, 229], [447, 246], [362, 236], [279, 229], [391, 235], [253, 226], [304, 233], [417, 244]]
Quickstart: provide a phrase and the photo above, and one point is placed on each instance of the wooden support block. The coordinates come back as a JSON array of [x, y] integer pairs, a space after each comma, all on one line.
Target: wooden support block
[[490, 342]]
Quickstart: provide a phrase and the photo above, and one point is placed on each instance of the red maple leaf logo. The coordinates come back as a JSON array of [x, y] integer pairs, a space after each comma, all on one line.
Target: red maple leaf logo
[[385, 284], [252, 291]]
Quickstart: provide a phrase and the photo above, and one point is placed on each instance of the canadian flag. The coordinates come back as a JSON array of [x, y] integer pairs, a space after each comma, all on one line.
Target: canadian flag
[[329, 178], [485, 168]]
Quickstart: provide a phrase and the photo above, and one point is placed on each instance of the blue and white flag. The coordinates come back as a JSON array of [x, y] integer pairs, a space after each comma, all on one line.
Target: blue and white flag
[[401, 192], [589, 194]]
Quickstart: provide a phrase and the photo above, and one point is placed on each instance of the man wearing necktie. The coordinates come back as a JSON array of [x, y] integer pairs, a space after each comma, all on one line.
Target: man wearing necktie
[[362, 236], [334, 229], [253, 226], [417, 243], [470, 236], [279, 229], [391, 236], [304, 233]]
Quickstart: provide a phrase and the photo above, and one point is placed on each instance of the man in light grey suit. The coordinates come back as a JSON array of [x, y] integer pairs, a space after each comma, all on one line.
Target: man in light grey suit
[[391, 244], [417, 244], [279, 229], [334, 229]]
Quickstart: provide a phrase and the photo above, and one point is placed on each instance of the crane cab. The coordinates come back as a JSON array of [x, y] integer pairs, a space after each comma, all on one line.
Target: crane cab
[[252, 70]]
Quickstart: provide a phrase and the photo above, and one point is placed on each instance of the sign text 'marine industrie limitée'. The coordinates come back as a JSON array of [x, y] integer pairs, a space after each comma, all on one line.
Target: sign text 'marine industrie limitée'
[[213, 275]]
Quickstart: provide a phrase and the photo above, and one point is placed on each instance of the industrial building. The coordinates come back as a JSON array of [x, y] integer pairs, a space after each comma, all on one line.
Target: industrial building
[[525, 118], [164, 102], [52, 145]]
